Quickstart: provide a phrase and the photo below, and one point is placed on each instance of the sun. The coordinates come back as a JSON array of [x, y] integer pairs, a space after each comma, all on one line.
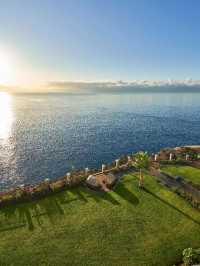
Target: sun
[[7, 71], [6, 116]]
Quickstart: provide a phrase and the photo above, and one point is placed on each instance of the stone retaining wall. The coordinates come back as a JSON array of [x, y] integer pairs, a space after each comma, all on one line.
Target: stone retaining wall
[[25, 193]]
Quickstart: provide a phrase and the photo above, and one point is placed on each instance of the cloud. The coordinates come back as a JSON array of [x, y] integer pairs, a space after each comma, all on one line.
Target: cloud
[[135, 85], [170, 85]]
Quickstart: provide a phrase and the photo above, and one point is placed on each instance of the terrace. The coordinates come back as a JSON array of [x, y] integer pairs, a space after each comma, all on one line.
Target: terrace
[[83, 227], [75, 224]]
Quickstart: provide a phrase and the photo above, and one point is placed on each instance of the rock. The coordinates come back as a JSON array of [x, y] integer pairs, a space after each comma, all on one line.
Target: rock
[[101, 181]]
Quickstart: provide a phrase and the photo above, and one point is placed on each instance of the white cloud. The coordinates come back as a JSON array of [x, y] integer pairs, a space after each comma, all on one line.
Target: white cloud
[[120, 83]]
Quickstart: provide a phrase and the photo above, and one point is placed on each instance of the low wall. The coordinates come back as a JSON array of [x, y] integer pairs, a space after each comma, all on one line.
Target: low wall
[[26, 193], [30, 192]]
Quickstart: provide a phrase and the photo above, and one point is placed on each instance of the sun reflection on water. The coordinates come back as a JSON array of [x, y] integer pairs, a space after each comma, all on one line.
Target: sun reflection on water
[[6, 116]]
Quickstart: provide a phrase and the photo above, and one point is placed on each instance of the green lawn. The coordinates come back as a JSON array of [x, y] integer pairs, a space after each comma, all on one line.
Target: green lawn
[[189, 173], [125, 227]]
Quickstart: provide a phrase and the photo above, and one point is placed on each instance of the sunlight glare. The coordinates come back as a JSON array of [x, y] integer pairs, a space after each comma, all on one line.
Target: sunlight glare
[[7, 72], [6, 115]]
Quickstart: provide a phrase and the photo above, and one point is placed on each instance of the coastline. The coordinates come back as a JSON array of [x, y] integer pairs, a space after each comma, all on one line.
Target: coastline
[[29, 192]]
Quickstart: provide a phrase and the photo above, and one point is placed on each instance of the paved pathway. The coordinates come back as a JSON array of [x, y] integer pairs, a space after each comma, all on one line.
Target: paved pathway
[[172, 183]]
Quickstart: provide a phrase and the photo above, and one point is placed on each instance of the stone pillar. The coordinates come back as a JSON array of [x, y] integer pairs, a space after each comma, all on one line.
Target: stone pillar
[[68, 175], [46, 180], [86, 170], [187, 157], [170, 156], [155, 157], [129, 159], [103, 168], [117, 163]]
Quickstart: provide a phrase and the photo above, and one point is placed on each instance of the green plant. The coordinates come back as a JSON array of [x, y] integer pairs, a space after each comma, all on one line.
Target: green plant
[[190, 256], [142, 162], [18, 194], [193, 154]]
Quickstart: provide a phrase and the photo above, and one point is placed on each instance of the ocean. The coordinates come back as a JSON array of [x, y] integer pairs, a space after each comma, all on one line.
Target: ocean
[[47, 135]]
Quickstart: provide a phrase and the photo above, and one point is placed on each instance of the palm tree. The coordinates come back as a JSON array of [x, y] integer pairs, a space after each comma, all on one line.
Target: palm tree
[[142, 162]]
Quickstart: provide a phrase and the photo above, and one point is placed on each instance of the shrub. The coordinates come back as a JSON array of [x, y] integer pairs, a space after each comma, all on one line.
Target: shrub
[[19, 194], [123, 159], [191, 256]]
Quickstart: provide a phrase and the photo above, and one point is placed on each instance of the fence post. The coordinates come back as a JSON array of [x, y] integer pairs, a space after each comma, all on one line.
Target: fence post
[[86, 170], [103, 168], [117, 163], [68, 177], [129, 159]]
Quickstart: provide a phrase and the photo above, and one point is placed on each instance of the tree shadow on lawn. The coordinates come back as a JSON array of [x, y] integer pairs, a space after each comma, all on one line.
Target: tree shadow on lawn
[[37, 213], [108, 197], [99, 196], [172, 206], [13, 217], [30, 214], [79, 195], [126, 194]]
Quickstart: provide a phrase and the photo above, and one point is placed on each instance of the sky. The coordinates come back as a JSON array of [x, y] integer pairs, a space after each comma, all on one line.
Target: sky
[[98, 40]]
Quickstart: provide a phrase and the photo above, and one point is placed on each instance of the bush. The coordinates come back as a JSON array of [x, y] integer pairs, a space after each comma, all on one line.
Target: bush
[[122, 159], [19, 194], [191, 256]]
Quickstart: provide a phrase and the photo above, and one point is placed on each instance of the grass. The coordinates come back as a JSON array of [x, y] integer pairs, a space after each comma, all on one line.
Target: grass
[[125, 227], [189, 173]]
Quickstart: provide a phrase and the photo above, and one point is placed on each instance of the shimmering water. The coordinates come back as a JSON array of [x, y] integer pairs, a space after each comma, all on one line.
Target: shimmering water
[[45, 135]]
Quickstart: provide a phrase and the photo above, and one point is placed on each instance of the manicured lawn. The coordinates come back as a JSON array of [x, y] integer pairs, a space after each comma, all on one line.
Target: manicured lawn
[[189, 173], [77, 227]]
